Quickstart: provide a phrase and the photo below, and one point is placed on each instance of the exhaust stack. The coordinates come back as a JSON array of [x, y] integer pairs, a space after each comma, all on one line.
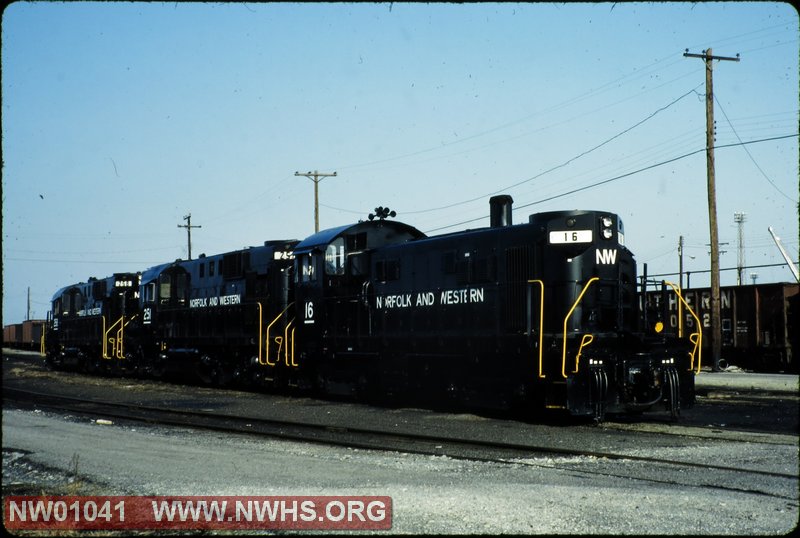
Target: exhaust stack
[[500, 210]]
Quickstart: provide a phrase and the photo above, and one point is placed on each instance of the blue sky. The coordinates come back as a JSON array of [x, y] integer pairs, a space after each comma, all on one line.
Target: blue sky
[[121, 118]]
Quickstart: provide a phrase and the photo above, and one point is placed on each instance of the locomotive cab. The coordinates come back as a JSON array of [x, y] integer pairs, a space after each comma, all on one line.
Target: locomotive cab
[[333, 272]]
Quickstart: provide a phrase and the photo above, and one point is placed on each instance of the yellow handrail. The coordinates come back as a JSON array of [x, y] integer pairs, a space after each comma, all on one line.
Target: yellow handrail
[[120, 339], [289, 343], [586, 339], [260, 325], [698, 340], [120, 343], [287, 347], [105, 339], [566, 319], [680, 316], [541, 322], [266, 359], [117, 341]]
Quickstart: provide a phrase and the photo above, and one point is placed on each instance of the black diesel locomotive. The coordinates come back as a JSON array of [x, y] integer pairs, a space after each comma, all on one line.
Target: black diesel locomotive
[[200, 317], [528, 316]]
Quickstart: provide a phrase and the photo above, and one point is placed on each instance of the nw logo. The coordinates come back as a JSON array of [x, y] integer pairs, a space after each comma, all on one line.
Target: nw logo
[[606, 256]]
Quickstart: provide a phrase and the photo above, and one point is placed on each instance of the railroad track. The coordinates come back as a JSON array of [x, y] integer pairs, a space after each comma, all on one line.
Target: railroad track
[[636, 466]]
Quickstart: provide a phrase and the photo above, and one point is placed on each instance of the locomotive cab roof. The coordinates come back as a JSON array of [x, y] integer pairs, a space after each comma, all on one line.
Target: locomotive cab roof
[[153, 272], [365, 234], [65, 289]]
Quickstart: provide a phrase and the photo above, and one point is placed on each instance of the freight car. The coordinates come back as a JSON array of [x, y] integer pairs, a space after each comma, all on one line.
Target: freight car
[[539, 315], [760, 323], [27, 335]]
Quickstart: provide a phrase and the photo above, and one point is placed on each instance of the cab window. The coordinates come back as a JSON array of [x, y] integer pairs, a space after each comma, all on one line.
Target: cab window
[[308, 272], [150, 292], [334, 257], [164, 288]]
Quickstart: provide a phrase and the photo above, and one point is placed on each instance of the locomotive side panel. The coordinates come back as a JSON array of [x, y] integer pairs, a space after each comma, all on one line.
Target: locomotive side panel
[[208, 316], [451, 315], [89, 323]]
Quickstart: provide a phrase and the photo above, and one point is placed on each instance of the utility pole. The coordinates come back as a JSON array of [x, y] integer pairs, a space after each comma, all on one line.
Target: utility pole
[[28, 315], [739, 219], [716, 324], [188, 226], [316, 177], [680, 262]]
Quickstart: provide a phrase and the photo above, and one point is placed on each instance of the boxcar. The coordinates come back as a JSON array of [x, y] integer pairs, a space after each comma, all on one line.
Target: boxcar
[[760, 323]]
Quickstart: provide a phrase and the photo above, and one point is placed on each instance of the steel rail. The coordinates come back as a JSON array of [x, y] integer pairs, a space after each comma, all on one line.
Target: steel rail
[[353, 437]]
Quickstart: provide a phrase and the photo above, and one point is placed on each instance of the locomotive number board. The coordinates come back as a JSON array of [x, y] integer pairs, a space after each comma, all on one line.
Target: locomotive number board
[[571, 236]]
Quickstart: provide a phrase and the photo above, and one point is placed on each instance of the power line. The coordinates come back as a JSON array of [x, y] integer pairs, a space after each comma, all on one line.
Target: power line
[[84, 252], [621, 176], [50, 260], [749, 154], [638, 73], [724, 269], [565, 163]]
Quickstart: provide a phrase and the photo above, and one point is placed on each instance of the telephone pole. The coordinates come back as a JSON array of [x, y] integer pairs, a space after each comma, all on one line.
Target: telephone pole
[[188, 226], [316, 177], [739, 219], [680, 262], [716, 324]]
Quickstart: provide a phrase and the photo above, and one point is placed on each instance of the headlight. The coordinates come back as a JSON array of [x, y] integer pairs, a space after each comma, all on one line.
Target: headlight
[[607, 222]]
